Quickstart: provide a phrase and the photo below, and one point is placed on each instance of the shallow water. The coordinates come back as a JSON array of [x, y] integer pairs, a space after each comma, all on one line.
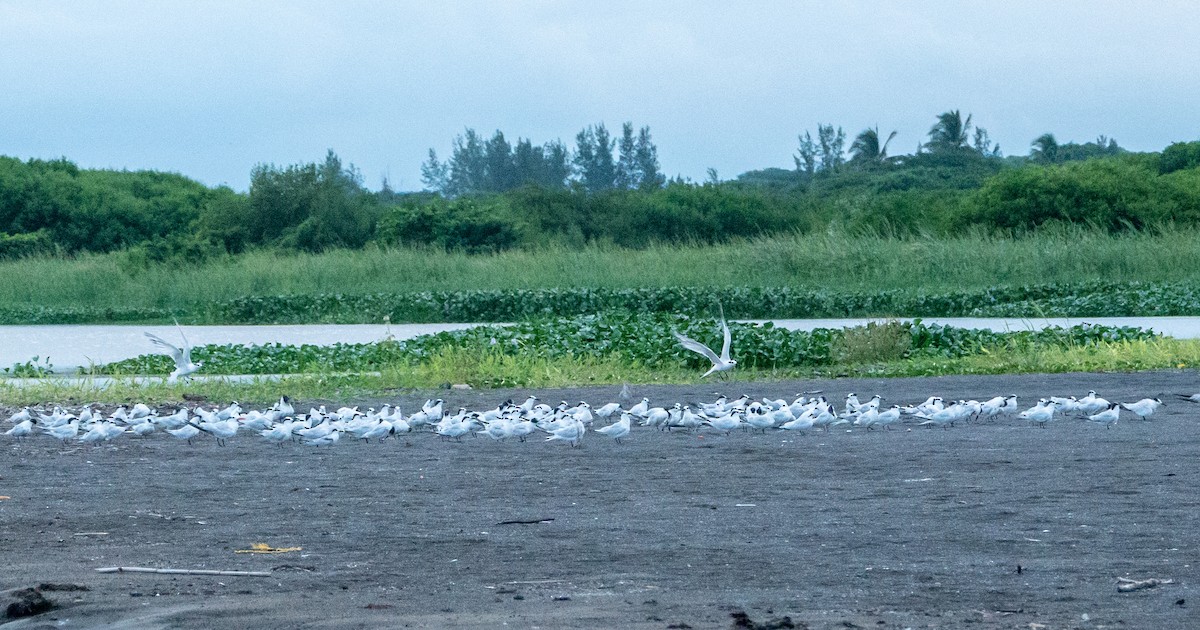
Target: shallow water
[[67, 348]]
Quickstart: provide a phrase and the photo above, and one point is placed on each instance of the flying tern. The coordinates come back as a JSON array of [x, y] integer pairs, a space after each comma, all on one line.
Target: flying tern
[[181, 355], [720, 363]]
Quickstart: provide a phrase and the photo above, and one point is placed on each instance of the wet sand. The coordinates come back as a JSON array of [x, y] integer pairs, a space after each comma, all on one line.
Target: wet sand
[[883, 529]]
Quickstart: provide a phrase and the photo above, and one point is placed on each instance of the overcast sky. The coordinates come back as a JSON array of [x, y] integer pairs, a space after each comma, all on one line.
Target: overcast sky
[[209, 89]]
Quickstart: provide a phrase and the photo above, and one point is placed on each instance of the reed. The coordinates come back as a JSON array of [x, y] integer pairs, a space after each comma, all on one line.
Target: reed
[[833, 260]]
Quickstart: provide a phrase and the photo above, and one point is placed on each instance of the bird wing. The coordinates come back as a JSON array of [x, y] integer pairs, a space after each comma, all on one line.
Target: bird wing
[[176, 353], [696, 346], [187, 346], [725, 328]]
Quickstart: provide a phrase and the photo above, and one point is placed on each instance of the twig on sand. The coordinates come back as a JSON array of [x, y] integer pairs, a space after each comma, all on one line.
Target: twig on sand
[[1126, 585], [183, 571], [532, 521]]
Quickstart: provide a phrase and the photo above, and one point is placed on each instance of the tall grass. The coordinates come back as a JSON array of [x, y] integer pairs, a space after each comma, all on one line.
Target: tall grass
[[968, 261]]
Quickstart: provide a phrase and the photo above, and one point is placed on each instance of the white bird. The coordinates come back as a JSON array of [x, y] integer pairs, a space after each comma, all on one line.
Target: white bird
[[231, 411], [316, 431], [689, 420], [1042, 413], [947, 416], [221, 429], [656, 417], [527, 406], [399, 424], [1144, 408], [640, 409], [1069, 404], [720, 363], [63, 432], [608, 410], [725, 423], [996, 406], [1108, 417], [22, 429], [801, 424], [278, 434], [571, 431], [175, 420], [761, 421], [256, 421], [715, 408], [523, 429], [327, 440], [182, 356], [888, 417], [380, 430], [141, 428], [433, 409], [185, 432], [284, 407], [99, 432], [454, 429], [1092, 403], [618, 429], [20, 416], [498, 429]]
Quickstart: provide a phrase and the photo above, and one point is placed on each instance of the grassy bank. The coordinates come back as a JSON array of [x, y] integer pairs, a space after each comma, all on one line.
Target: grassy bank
[[615, 349], [481, 368], [116, 284]]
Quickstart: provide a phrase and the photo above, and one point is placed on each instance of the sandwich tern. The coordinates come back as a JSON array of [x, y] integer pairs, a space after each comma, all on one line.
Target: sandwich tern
[[182, 356], [1108, 417], [618, 429], [720, 363], [1144, 408]]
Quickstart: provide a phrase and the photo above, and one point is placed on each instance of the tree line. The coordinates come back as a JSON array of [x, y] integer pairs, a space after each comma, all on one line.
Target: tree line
[[599, 163], [490, 194]]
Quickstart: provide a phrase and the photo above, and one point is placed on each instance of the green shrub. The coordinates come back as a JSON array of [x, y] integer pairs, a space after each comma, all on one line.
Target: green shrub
[[1179, 156], [29, 244]]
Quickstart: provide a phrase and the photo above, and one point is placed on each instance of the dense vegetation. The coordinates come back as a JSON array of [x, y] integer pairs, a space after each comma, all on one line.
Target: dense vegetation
[[636, 339], [1057, 272], [491, 195]]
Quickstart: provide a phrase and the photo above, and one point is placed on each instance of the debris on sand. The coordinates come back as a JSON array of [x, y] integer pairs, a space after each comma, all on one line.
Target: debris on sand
[[1126, 585], [742, 620], [29, 602], [50, 586]]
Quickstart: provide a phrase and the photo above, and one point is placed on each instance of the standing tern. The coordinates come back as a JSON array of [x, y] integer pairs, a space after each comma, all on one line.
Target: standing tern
[[182, 356], [618, 429], [719, 363], [1108, 417], [1144, 408]]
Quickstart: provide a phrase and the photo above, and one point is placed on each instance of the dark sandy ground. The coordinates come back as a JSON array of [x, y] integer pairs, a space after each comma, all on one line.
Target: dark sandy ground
[[905, 528]]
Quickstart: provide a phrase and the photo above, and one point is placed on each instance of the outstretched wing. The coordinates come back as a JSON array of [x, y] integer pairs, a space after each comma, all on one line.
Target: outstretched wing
[[725, 329], [696, 346], [187, 347], [176, 353]]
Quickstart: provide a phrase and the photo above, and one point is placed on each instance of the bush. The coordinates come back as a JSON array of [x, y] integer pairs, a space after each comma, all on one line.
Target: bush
[[22, 245], [1111, 194], [1179, 156], [470, 224]]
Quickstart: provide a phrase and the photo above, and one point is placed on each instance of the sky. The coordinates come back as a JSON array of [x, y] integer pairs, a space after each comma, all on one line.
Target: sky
[[210, 89]]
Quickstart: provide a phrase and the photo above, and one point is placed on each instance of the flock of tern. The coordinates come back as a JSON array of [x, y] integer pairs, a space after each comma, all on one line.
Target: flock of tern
[[281, 423]]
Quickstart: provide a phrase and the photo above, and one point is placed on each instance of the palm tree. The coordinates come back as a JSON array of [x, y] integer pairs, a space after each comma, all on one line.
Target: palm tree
[[1045, 148], [950, 132], [866, 147]]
